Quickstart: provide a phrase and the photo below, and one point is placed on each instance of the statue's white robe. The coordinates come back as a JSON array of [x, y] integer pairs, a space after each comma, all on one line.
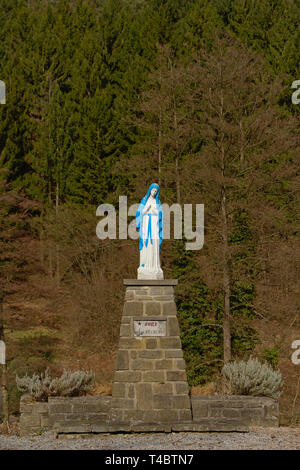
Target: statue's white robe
[[149, 255]]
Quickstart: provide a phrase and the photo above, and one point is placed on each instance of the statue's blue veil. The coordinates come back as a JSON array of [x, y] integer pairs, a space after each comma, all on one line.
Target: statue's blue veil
[[139, 215]]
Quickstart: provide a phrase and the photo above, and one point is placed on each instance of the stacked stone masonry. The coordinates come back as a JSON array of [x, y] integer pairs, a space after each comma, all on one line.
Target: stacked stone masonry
[[150, 384], [252, 411], [34, 416], [92, 415]]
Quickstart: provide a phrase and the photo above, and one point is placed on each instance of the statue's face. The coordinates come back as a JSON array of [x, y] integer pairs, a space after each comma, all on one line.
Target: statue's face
[[153, 192]]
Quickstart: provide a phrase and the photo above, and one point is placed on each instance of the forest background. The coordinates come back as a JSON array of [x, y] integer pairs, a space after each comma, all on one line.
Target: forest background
[[105, 97]]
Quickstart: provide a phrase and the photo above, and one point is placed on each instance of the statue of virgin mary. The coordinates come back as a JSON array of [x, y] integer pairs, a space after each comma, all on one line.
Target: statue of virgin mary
[[149, 222]]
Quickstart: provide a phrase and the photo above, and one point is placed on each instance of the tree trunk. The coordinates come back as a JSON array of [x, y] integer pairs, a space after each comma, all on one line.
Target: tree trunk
[[178, 195], [57, 245], [226, 270], [42, 248], [177, 181], [4, 392], [159, 151], [50, 260], [226, 284], [242, 153]]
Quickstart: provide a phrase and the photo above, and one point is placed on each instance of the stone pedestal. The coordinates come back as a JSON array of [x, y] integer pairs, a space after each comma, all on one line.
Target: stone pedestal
[[150, 385]]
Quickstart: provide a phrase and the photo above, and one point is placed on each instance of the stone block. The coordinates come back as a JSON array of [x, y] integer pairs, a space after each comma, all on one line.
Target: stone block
[[100, 418], [166, 364], [144, 396], [30, 420], [217, 403], [142, 364], [116, 415], [41, 407], [125, 330], [172, 326], [231, 413], [180, 364], [153, 376], [181, 388], [133, 354], [130, 390], [272, 409], [152, 354], [118, 389], [125, 320], [142, 292], [122, 360], [199, 411], [141, 283], [216, 412], [96, 406], [131, 343], [169, 308], [133, 308], [44, 422], [184, 415], [211, 425], [163, 389], [129, 295], [252, 416], [152, 308], [176, 353], [65, 407], [168, 416], [156, 290], [234, 403], [182, 402], [269, 422], [26, 407], [74, 417], [103, 403], [169, 290], [151, 343], [127, 376], [170, 343], [176, 375], [163, 402], [77, 408], [133, 415], [151, 416], [164, 298], [124, 403]]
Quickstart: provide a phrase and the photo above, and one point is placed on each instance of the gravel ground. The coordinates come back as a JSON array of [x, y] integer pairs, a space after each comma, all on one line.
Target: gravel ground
[[257, 438]]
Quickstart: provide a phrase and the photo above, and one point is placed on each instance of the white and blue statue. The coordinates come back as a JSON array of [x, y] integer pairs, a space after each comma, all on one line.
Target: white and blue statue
[[149, 222]]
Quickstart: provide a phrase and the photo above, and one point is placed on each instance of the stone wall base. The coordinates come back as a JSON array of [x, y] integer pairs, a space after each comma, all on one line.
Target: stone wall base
[[92, 415]]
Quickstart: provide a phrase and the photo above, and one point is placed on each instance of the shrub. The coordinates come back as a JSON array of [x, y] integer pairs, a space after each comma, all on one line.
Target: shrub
[[270, 356], [69, 384], [252, 378]]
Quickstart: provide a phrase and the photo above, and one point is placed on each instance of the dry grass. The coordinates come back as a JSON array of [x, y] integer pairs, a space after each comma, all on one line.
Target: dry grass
[[207, 389], [100, 389], [11, 429]]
